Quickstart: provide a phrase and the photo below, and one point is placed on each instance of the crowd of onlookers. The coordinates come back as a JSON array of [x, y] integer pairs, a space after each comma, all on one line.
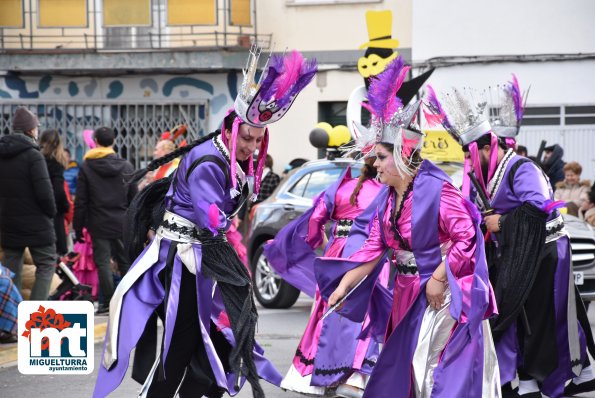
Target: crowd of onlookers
[[566, 182]]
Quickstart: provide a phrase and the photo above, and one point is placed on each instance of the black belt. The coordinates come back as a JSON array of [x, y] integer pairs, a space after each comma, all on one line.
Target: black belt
[[202, 235], [343, 227], [406, 269]]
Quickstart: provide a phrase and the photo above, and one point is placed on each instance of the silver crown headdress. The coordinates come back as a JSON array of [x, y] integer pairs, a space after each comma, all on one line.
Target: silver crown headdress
[[390, 123], [509, 103], [461, 112]]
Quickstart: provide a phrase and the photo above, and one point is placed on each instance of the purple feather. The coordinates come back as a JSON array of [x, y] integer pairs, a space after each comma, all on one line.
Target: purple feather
[[514, 91], [307, 73], [275, 69], [435, 107], [382, 93]]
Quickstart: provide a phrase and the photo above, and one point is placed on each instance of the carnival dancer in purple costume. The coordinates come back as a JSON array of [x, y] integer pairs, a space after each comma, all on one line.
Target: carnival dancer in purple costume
[[438, 343], [537, 334], [190, 269], [329, 352]]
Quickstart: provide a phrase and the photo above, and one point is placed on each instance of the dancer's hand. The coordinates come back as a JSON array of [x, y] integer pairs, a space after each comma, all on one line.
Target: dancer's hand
[[493, 222], [435, 293], [337, 295]]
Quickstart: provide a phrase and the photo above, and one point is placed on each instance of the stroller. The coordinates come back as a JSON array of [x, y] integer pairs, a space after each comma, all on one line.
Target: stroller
[[70, 289]]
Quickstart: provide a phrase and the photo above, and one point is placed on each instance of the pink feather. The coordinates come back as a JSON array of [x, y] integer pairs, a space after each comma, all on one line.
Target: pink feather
[[382, 97], [292, 65], [213, 216], [88, 136]]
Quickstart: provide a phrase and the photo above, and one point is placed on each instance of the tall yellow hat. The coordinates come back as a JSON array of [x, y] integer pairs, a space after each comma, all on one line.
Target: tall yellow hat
[[379, 30]]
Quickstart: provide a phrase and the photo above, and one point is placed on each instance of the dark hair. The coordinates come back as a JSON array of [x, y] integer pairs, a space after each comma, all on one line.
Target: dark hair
[[104, 136], [228, 121], [367, 173], [522, 148], [572, 209], [484, 140], [268, 162]]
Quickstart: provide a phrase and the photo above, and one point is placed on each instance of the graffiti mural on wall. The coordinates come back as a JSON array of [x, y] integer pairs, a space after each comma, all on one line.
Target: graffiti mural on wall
[[218, 90], [139, 108]]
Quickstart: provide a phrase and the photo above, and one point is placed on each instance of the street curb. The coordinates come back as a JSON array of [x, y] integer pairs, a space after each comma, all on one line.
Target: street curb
[[9, 352]]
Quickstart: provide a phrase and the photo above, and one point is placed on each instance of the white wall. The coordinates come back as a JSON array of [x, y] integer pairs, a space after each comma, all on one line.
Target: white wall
[[328, 27], [471, 27], [553, 83]]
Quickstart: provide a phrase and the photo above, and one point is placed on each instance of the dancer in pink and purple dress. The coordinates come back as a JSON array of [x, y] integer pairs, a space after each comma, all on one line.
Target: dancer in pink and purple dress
[[438, 342], [329, 353]]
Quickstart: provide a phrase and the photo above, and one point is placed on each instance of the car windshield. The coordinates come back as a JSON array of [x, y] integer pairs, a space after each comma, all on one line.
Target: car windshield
[[315, 182]]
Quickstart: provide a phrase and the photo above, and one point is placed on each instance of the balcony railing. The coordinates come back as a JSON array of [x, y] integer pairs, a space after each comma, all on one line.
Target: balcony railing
[[132, 40]]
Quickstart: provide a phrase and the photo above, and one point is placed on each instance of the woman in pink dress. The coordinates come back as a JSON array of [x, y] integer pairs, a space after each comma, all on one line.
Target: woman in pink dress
[[329, 353]]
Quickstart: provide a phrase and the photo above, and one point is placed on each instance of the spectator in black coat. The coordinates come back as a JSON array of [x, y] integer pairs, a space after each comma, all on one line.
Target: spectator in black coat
[[27, 205], [51, 148], [553, 165], [102, 197]]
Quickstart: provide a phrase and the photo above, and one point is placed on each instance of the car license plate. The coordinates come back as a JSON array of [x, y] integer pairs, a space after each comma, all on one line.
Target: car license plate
[[579, 278]]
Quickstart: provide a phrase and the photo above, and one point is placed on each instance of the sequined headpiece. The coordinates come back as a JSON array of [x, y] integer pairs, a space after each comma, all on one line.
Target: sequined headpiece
[[509, 102], [461, 112]]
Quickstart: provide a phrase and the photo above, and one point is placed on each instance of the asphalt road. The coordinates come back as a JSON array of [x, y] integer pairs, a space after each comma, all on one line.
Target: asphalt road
[[279, 332]]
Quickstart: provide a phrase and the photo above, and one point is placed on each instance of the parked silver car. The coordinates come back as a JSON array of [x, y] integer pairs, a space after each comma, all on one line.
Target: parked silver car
[[294, 196]]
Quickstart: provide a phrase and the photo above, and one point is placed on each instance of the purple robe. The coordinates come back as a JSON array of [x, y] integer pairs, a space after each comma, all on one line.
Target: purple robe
[[532, 187], [204, 200], [437, 214], [292, 255]]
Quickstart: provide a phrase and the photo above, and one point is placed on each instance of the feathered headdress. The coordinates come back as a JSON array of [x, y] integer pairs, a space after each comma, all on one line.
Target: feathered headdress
[[263, 102], [391, 123], [510, 104]]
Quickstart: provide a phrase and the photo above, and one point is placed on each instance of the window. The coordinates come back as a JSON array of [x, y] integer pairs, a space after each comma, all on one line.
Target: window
[[324, 2], [126, 13], [191, 12], [542, 116], [12, 13], [320, 180], [62, 13], [240, 14], [584, 114], [298, 189]]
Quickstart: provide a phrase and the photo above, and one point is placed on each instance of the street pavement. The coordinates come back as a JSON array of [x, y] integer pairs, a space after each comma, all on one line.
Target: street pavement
[[279, 332]]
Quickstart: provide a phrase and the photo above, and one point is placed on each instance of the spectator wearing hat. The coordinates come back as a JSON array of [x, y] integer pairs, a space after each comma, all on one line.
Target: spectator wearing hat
[[102, 197], [571, 189], [27, 205]]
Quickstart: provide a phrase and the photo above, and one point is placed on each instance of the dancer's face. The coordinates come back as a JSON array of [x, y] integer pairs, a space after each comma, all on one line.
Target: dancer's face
[[484, 159], [249, 140], [385, 166]]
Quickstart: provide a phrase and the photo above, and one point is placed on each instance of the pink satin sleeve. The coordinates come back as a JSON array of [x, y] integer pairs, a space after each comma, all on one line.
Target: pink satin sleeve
[[456, 226], [316, 224], [373, 246]]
